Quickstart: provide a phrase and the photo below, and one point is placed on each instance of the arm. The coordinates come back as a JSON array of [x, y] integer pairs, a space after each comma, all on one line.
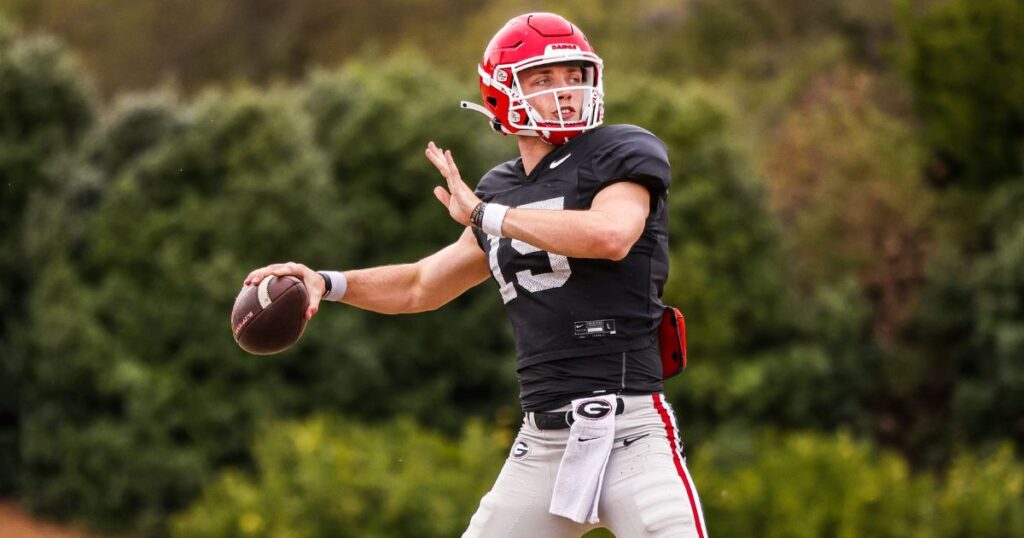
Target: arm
[[418, 287], [607, 230], [398, 289]]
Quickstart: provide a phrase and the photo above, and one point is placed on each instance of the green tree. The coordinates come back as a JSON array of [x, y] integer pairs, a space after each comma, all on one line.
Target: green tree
[[989, 397], [758, 355], [963, 60], [966, 333], [132, 356], [136, 392], [987, 402], [45, 109], [844, 176], [133, 46]]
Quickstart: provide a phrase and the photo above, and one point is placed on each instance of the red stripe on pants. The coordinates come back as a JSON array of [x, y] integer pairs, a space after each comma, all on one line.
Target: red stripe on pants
[[670, 430]]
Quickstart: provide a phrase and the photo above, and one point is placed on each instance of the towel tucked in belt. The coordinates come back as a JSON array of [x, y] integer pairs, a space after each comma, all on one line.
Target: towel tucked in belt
[[581, 473]]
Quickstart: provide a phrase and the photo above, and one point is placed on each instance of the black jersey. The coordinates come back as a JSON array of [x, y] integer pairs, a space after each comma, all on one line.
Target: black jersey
[[563, 308]]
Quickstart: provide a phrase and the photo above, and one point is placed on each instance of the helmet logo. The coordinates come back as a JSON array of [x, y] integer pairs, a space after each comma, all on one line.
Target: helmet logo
[[513, 116], [563, 46], [501, 76]]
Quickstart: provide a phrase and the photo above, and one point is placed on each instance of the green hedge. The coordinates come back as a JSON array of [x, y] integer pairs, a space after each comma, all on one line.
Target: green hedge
[[328, 477], [811, 485]]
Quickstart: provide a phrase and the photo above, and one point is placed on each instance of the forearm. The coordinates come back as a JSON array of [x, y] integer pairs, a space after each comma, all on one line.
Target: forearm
[[418, 287], [576, 234], [388, 289]]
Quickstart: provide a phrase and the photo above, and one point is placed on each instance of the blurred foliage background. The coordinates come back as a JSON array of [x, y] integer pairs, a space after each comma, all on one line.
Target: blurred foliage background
[[847, 224]]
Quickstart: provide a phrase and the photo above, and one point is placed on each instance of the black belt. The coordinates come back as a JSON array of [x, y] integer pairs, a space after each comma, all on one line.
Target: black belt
[[559, 420]]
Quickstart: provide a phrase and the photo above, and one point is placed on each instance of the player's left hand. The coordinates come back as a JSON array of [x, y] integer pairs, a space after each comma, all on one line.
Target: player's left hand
[[459, 198]]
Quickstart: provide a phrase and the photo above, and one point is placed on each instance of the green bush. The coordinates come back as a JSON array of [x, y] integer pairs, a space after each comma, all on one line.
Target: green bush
[[809, 485], [136, 392], [330, 478], [982, 496], [46, 107]]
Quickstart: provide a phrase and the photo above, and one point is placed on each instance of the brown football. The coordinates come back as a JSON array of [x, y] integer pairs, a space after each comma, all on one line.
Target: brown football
[[270, 317]]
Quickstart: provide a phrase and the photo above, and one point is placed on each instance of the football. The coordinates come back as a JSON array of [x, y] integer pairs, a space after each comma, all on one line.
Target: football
[[270, 317]]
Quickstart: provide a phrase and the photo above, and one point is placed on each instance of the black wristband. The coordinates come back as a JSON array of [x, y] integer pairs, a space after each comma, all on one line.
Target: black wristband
[[476, 218], [327, 282]]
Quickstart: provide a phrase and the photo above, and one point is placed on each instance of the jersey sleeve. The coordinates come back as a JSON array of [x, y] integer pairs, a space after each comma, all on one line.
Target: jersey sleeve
[[632, 155]]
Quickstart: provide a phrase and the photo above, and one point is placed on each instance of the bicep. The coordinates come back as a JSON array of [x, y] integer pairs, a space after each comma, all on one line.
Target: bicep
[[451, 271], [627, 203]]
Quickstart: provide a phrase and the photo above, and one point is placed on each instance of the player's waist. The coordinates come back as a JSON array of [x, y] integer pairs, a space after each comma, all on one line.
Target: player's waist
[[562, 417]]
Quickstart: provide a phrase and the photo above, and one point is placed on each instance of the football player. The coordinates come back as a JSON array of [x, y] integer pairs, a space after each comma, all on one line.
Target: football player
[[574, 233]]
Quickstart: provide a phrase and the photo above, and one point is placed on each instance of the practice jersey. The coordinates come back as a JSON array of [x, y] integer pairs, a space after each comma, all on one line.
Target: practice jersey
[[562, 307]]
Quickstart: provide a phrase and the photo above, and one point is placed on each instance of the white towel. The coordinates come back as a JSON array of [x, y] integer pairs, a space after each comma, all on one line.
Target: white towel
[[581, 473]]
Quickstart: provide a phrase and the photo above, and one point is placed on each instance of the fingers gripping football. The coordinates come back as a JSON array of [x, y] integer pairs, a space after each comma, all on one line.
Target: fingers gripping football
[[313, 281], [458, 198]]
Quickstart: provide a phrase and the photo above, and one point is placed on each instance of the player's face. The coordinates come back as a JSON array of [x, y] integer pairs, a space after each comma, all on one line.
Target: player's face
[[558, 105]]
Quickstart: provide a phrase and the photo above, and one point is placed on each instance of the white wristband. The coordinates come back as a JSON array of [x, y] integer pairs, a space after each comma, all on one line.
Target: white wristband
[[494, 216], [339, 285]]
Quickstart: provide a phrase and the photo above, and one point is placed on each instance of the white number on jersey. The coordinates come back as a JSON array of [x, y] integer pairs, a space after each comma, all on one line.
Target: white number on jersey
[[560, 270]]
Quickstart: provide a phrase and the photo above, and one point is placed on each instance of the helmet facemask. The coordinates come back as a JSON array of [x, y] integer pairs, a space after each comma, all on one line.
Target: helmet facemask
[[554, 127], [586, 100]]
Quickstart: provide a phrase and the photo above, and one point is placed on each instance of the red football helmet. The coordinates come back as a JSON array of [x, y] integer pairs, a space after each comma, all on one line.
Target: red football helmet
[[529, 41]]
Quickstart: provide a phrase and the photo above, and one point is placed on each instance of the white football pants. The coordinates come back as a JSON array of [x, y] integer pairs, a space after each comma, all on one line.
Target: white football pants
[[647, 488]]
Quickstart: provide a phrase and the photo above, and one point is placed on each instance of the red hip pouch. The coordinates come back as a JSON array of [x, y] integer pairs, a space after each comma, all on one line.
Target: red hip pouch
[[672, 337]]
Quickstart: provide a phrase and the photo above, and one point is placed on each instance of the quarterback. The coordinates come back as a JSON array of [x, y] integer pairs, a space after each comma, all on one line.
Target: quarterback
[[574, 234]]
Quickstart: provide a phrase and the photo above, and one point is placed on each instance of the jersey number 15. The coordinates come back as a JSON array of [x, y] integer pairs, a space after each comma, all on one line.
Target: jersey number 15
[[556, 278]]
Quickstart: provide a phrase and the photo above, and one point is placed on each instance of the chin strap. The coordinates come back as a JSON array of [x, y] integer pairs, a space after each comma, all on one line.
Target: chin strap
[[494, 122]]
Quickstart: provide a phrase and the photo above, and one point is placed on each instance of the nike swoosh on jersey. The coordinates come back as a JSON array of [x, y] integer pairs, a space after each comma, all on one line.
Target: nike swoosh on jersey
[[560, 161]]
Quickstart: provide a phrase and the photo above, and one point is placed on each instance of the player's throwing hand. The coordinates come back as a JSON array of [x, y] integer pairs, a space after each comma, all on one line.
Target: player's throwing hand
[[459, 198], [313, 281]]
